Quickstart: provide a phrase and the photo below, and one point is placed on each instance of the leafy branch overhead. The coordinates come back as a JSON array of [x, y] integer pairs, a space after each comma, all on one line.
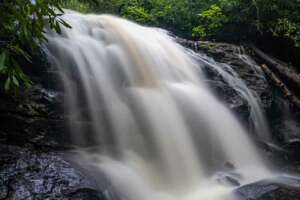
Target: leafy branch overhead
[[23, 25]]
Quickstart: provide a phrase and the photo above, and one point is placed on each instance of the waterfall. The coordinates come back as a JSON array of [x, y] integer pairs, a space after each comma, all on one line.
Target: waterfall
[[234, 81], [141, 99]]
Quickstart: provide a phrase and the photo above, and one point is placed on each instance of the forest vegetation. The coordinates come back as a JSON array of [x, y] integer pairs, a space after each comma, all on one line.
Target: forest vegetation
[[23, 24]]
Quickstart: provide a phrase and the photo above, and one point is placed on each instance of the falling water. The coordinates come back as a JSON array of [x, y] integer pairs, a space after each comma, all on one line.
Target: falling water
[[136, 93], [234, 81]]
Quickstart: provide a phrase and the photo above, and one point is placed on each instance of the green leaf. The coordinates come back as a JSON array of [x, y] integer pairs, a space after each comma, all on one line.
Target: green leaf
[[15, 81], [2, 61], [21, 52], [7, 84], [65, 23], [57, 28]]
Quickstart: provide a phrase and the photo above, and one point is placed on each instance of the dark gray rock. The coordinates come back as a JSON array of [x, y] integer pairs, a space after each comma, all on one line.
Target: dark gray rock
[[86, 194], [285, 188], [3, 190], [234, 101], [227, 56], [228, 179], [229, 166], [237, 58], [33, 128], [34, 117], [243, 65], [25, 174]]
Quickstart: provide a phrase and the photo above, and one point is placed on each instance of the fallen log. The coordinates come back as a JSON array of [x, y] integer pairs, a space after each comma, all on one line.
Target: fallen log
[[290, 76], [281, 86]]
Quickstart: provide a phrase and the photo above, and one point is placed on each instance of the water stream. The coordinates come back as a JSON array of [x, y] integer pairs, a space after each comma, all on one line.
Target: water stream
[[135, 93]]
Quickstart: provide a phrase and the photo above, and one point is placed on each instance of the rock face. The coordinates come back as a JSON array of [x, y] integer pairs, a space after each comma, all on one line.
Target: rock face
[[286, 189], [28, 174], [237, 69], [283, 119], [27, 118], [244, 66], [32, 136]]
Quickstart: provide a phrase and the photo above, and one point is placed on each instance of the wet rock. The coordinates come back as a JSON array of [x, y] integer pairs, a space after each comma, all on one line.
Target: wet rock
[[229, 166], [34, 117], [33, 128], [292, 148], [285, 159], [86, 194], [243, 65], [36, 175], [234, 61], [238, 59], [228, 179], [285, 188], [234, 101], [3, 191]]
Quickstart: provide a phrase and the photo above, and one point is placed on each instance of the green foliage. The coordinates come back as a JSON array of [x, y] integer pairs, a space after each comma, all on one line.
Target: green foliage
[[207, 19], [269, 16], [139, 15], [23, 21], [285, 28], [97, 6], [81, 6], [22, 25], [199, 32], [13, 72], [211, 21]]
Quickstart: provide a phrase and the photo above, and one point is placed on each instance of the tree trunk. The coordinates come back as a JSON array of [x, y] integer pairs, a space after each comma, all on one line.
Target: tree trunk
[[281, 86], [287, 74]]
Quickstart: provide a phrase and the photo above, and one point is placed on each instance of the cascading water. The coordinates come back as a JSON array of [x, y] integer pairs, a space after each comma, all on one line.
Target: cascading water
[[235, 82], [161, 133]]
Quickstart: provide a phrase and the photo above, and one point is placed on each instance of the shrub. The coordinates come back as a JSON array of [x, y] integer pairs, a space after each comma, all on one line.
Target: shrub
[[23, 25]]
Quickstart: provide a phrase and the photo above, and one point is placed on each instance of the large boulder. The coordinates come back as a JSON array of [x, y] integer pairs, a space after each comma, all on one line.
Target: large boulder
[[285, 188], [28, 174], [33, 117]]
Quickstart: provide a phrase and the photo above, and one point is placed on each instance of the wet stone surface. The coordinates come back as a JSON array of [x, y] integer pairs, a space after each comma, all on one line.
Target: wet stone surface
[[36, 175], [284, 189]]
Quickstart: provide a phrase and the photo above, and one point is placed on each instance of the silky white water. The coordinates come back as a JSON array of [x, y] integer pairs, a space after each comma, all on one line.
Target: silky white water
[[136, 94], [234, 81]]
